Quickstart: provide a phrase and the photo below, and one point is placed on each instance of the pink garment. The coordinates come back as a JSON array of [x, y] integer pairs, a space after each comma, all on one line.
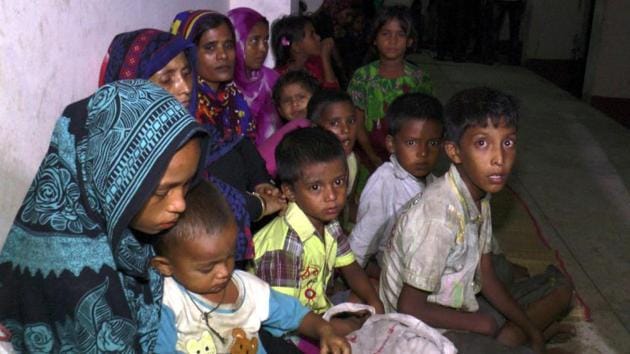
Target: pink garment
[[268, 148], [256, 86]]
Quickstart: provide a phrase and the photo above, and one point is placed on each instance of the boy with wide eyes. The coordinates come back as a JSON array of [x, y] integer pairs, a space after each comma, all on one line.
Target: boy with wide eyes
[[438, 258]]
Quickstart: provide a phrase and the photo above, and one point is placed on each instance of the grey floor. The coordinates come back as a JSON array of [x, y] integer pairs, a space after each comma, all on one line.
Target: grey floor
[[573, 172]]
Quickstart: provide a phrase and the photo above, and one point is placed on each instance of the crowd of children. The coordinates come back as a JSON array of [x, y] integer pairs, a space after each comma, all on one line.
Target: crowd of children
[[310, 196]]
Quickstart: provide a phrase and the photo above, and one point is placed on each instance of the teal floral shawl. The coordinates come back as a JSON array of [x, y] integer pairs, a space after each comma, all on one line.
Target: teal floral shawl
[[73, 277]]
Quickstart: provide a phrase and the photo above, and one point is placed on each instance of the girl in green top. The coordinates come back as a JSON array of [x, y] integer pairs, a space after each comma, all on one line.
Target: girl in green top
[[374, 86]]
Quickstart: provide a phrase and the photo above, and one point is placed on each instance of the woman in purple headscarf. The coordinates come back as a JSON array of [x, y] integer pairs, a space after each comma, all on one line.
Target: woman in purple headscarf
[[250, 75]]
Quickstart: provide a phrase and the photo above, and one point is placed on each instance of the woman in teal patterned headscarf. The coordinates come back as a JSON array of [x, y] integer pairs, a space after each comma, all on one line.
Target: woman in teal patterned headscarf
[[74, 271]]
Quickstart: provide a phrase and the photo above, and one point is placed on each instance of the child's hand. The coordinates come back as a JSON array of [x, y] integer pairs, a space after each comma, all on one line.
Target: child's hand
[[332, 343], [378, 307], [327, 46]]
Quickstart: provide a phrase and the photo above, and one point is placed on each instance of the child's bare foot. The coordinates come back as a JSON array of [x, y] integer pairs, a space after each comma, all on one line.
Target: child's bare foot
[[559, 332]]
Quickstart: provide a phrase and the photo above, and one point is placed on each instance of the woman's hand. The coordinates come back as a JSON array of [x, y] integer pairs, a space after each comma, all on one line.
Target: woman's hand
[[273, 198]]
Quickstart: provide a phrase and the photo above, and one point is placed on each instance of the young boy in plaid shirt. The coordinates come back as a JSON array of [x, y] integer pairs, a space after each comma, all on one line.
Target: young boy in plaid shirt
[[297, 253]]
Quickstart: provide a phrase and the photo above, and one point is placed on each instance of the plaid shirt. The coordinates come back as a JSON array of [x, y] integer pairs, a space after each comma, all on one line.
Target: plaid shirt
[[295, 260]]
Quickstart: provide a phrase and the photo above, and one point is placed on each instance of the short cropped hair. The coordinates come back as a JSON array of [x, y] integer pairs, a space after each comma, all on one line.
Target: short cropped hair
[[474, 107], [207, 214], [412, 106], [322, 99], [303, 147], [300, 77]]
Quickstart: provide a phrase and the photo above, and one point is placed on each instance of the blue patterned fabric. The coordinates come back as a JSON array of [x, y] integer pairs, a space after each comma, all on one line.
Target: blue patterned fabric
[[73, 277], [244, 242]]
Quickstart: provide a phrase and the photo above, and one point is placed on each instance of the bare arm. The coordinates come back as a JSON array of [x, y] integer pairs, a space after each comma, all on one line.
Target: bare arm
[[364, 141], [315, 327], [328, 45], [360, 284], [496, 293], [413, 301]]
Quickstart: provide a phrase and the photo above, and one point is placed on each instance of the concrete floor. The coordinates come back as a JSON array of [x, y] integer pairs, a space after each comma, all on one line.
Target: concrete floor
[[573, 172]]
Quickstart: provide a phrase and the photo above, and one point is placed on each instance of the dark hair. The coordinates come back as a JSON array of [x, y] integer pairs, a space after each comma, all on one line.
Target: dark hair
[[400, 13], [207, 213], [474, 107], [286, 31], [306, 146], [301, 77], [412, 106], [322, 99], [209, 21]]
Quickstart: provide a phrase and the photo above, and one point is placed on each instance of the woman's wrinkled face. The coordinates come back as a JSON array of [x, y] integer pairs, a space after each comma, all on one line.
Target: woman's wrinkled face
[[176, 78], [215, 55], [257, 46]]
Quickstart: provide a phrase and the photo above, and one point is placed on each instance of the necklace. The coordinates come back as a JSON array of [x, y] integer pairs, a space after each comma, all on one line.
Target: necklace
[[206, 315]]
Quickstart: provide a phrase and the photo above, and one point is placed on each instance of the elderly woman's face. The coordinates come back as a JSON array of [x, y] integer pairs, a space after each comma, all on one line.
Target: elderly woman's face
[[215, 55], [176, 78]]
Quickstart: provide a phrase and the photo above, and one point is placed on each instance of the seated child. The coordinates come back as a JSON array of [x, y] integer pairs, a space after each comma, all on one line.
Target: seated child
[[209, 306], [333, 110], [439, 255], [291, 95], [292, 92], [414, 140], [297, 253]]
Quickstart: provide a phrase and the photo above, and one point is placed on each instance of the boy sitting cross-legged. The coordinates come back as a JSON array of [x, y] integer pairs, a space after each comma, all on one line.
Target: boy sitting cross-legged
[[208, 306], [438, 257], [297, 253], [414, 139]]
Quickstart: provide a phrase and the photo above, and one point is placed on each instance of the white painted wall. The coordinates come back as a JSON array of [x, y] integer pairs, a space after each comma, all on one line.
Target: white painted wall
[[608, 64], [50, 56]]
